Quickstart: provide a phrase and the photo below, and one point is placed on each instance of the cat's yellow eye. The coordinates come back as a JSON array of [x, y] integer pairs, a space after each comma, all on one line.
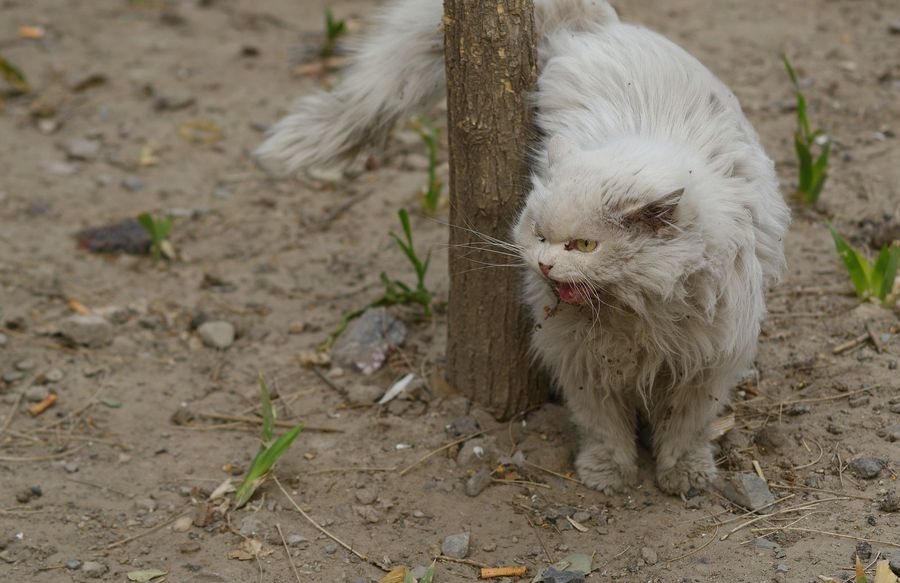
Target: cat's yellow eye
[[585, 245]]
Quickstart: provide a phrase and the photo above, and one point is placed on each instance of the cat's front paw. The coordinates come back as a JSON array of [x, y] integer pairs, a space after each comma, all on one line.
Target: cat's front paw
[[600, 469], [693, 471]]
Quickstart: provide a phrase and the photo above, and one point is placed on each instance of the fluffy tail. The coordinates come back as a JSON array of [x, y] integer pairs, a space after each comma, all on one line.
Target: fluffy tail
[[396, 69]]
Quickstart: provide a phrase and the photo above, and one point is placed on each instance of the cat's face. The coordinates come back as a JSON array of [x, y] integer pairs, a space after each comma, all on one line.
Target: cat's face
[[599, 222]]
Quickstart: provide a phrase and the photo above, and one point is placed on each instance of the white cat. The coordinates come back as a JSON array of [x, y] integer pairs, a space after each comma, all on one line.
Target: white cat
[[653, 225]]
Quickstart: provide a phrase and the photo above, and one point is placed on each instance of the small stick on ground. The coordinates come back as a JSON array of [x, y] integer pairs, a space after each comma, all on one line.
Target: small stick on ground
[[125, 541], [325, 532], [43, 458], [809, 489], [552, 473], [101, 487], [698, 549], [873, 337], [521, 483], [341, 391], [287, 551], [815, 461], [850, 344], [12, 413], [785, 511], [820, 399], [337, 211], [258, 421], [540, 540], [771, 529], [350, 469], [440, 449]]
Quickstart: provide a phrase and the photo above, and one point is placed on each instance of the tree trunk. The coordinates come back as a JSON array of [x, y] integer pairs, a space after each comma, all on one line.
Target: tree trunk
[[491, 65]]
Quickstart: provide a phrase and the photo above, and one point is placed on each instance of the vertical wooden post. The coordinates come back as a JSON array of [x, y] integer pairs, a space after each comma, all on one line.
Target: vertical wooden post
[[491, 63]]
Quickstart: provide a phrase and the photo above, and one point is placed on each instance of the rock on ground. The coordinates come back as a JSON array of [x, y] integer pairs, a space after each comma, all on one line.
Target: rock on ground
[[218, 334], [866, 468], [91, 331], [747, 490], [366, 343], [456, 545]]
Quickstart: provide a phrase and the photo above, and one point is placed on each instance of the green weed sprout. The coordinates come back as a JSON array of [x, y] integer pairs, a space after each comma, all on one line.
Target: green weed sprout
[[269, 450], [431, 195], [426, 578], [395, 292], [870, 280], [159, 230], [812, 174], [14, 76], [334, 29]]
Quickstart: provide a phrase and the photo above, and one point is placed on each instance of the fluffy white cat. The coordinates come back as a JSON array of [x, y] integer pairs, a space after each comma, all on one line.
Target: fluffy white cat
[[652, 228]]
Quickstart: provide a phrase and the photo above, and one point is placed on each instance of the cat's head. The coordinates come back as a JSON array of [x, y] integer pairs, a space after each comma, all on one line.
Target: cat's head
[[616, 220]]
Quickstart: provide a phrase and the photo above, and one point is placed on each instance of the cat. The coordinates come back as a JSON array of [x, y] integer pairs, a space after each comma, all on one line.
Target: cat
[[653, 225]]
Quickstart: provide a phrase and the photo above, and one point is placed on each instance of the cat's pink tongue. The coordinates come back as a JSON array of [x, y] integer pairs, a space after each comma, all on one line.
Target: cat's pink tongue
[[572, 293]]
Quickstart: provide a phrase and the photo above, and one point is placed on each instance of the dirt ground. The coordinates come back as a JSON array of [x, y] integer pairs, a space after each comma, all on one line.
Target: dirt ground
[[105, 135]]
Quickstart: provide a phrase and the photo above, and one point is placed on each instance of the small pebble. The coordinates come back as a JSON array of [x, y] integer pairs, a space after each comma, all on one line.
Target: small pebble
[[73, 564], [82, 149], [70, 467], [858, 402], [13, 376], [649, 555], [866, 468], [4, 339], [54, 375], [478, 482], [36, 393], [93, 569], [330, 548], [863, 551], [183, 524], [297, 540], [132, 183], [217, 334], [366, 496], [456, 545], [26, 365], [782, 568]]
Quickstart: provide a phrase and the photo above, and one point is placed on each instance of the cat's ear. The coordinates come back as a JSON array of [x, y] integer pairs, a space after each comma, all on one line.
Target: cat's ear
[[558, 149], [659, 215]]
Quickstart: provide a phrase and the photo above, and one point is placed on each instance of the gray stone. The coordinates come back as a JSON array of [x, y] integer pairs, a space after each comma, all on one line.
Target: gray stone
[[363, 393], [251, 525], [36, 393], [858, 402], [297, 540], [331, 548], [765, 543], [894, 563], [93, 569], [70, 467], [747, 490], [366, 343], [782, 568], [91, 331], [57, 168], [418, 572], [4, 340], [890, 502], [866, 468], [649, 555], [462, 426], [893, 408], [132, 183], [73, 564], [219, 335], [366, 495], [54, 375], [26, 365], [13, 376], [456, 545], [173, 99], [863, 551], [368, 513], [82, 149], [478, 483], [472, 452], [145, 505]]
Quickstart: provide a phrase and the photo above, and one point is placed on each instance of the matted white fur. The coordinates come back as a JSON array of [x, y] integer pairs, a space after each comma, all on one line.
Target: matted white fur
[[647, 154]]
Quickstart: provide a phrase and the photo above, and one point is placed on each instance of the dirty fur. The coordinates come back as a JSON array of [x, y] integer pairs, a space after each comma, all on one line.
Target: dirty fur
[[645, 153]]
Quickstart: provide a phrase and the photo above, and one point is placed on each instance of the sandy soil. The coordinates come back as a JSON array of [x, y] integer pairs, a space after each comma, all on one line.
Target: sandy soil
[[111, 461]]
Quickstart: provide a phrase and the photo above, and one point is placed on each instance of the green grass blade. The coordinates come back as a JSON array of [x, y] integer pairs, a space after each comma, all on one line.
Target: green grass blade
[[407, 228], [268, 413], [804, 160], [14, 76], [857, 266], [790, 69], [429, 574], [164, 227], [148, 223], [887, 270], [262, 465]]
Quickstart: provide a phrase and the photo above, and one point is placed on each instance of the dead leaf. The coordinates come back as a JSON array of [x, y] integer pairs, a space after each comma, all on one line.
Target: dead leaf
[[396, 575], [145, 575], [78, 307], [225, 487], [576, 525], [148, 156], [883, 573], [201, 131], [250, 549]]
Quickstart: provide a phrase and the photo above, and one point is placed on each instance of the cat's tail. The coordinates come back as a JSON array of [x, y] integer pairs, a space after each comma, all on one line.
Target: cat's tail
[[395, 70]]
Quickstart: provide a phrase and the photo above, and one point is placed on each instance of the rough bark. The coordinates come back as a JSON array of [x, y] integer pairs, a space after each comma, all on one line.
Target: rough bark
[[491, 65]]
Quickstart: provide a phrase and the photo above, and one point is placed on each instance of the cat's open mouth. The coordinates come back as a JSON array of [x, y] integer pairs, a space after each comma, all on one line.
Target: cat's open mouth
[[572, 292]]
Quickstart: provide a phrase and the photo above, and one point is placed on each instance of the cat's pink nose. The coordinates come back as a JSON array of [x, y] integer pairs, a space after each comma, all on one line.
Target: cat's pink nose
[[545, 269]]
